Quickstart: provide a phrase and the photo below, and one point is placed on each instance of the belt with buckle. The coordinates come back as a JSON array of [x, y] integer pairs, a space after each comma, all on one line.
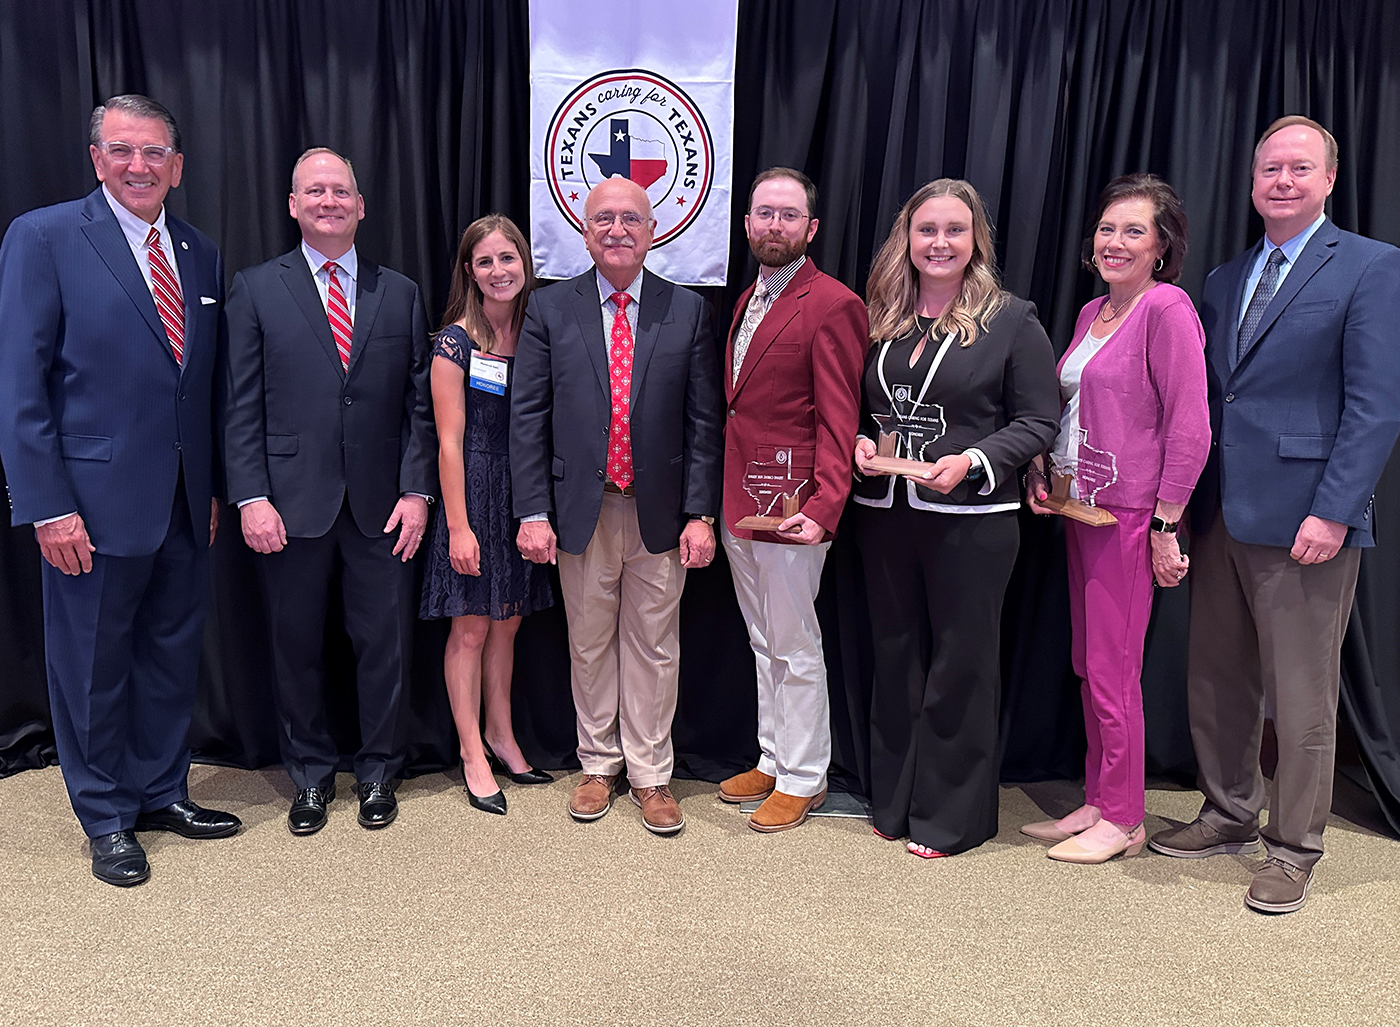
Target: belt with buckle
[[615, 489]]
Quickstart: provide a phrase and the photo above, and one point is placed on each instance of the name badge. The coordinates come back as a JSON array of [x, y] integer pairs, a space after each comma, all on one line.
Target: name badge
[[489, 373]]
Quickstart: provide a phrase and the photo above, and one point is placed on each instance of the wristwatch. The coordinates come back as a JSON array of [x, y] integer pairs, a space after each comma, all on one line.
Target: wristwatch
[[703, 517], [1165, 527]]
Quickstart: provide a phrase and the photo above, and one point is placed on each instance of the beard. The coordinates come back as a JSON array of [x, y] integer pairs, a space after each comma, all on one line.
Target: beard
[[777, 250]]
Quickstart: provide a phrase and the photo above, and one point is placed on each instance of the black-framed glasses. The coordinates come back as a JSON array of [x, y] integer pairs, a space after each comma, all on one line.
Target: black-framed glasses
[[630, 221], [124, 153], [788, 215]]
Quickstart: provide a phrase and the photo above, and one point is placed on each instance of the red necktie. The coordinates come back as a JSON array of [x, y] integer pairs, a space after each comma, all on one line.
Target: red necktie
[[620, 374], [338, 311], [169, 303]]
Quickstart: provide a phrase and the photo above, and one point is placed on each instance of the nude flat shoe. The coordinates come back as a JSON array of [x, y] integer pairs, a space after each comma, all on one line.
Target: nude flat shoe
[[1075, 850], [1046, 831]]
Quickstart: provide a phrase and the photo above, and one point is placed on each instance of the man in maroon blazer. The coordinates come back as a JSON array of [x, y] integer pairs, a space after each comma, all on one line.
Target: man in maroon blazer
[[792, 380]]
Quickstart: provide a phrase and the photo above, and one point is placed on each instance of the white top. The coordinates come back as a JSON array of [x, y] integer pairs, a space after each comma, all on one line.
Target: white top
[[1066, 451], [349, 263]]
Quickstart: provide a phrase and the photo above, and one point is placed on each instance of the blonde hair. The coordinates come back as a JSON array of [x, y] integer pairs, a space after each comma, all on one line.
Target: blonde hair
[[892, 290]]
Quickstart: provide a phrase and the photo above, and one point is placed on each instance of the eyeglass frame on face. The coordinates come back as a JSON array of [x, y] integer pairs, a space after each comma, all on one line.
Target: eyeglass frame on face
[[631, 220], [788, 216], [152, 153]]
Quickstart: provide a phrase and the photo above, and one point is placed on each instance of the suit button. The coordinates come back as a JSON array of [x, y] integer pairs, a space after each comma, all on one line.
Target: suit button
[[182, 397], [600, 475], [348, 401], [177, 447], [732, 413], [1230, 398]]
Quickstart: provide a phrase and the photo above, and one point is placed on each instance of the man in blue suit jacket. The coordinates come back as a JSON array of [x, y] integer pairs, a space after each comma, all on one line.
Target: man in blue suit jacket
[[1303, 361], [111, 331]]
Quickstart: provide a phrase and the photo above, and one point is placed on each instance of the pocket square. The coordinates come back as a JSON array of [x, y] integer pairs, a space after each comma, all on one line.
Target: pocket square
[[206, 300]]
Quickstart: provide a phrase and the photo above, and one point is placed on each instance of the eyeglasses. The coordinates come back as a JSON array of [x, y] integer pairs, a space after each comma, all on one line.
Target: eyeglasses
[[123, 153], [630, 221], [765, 215]]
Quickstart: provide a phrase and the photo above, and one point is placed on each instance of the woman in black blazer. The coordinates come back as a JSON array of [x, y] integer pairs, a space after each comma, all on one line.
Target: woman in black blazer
[[967, 374]]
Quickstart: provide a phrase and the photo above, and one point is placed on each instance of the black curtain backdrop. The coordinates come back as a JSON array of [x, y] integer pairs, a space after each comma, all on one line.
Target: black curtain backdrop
[[1037, 103]]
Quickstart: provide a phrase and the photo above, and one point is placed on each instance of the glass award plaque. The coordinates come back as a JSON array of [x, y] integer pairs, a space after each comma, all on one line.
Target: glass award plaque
[[906, 433], [774, 486], [1092, 470]]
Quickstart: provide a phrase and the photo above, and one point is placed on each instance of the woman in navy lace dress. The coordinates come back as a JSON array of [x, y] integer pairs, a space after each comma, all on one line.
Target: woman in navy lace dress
[[474, 574]]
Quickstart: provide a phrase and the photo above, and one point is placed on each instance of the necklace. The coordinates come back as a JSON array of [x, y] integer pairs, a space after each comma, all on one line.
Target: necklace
[[1109, 312]]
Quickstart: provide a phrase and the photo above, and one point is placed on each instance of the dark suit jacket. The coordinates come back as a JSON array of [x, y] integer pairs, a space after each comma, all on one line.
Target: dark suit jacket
[[1305, 422], [798, 388], [97, 415], [303, 431], [560, 411]]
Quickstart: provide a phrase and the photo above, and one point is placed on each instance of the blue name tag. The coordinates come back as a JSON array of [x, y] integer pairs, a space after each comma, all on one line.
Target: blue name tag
[[489, 373]]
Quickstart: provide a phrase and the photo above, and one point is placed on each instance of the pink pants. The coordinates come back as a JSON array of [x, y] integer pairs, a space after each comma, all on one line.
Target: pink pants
[[1110, 603]]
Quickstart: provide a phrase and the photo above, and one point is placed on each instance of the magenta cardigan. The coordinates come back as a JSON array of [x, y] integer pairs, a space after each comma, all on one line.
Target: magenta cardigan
[[1143, 398]]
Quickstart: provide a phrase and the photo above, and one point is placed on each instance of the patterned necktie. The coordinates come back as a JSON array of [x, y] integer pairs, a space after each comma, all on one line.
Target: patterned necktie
[[620, 375], [338, 312], [753, 316], [1263, 293], [169, 303]]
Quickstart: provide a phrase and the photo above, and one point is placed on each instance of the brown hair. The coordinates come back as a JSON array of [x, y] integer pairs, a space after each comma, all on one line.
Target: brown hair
[[1168, 217], [1328, 142], [892, 290], [796, 176], [464, 300]]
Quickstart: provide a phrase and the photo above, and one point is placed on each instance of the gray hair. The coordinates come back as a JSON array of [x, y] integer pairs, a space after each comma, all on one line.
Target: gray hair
[[314, 151], [137, 106]]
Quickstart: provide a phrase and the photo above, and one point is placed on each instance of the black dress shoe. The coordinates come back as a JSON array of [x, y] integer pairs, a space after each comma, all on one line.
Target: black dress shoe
[[378, 807], [308, 812], [529, 777], [189, 820], [490, 804], [119, 859]]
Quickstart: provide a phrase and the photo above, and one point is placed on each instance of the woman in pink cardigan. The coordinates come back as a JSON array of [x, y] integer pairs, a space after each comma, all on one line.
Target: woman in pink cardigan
[[1135, 433]]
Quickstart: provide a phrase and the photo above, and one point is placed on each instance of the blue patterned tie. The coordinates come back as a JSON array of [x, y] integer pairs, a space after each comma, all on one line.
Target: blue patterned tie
[[1263, 293]]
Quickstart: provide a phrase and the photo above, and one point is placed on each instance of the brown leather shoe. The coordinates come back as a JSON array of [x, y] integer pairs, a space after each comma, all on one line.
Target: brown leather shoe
[[661, 813], [1197, 840], [592, 796], [1278, 887], [750, 786], [781, 812]]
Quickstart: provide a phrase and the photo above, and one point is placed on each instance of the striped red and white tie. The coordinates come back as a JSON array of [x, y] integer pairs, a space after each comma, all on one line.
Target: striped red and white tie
[[338, 311], [169, 303]]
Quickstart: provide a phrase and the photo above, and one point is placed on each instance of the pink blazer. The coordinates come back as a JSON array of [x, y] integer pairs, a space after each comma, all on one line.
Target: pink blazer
[[1143, 399]]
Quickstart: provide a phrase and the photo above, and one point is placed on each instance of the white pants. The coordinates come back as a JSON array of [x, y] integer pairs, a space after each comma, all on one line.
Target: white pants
[[776, 585]]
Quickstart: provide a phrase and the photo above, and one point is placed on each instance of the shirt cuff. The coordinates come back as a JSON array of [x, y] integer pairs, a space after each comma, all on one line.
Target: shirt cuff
[[52, 520], [534, 517], [256, 499], [980, 458]]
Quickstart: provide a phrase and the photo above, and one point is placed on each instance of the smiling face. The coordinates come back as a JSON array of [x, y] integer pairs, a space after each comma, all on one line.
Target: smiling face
[[618, 251], [1127, 244], [775, 242], [1291, 181], [139, 187], [940, 240], [497, 269], [327, 204]]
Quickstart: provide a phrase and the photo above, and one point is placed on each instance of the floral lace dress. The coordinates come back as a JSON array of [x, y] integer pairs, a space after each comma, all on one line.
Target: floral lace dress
[[509, 585]]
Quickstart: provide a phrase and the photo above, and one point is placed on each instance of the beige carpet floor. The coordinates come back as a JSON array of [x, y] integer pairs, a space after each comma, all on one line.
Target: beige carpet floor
[[451, 916]]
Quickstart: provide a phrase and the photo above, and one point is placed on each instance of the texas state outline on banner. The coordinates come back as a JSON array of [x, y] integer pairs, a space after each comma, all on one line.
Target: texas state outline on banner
[[664, 121]]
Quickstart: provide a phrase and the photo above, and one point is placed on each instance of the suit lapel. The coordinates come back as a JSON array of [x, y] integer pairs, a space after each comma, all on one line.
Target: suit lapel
[[653, 312], [368, 298], [779, 315], [296, 275], [589, 310], [1317, 252], [107, 238]]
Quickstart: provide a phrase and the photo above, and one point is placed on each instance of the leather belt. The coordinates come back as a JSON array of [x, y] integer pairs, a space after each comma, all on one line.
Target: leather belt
[[630, 490]]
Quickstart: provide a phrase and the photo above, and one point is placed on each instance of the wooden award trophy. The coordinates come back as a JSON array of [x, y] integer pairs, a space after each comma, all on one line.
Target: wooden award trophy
[[1064, 504], [909, 427], [1095, 470], [767, 482]]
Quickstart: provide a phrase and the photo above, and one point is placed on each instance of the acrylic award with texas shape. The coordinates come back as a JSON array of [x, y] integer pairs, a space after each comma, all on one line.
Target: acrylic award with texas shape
[[906, 433], [1092, 470], [773, 485]]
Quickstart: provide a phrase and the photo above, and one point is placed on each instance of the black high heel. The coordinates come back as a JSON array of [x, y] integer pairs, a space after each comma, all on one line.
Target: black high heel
[[529, 777], [490, 804]]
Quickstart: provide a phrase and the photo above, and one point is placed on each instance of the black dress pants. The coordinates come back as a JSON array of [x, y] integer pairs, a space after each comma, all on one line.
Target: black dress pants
[[375, 593], [935, 584]]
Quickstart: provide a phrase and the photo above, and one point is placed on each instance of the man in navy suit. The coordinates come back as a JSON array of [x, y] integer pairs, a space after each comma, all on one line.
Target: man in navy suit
[[332, 459], [1303, 365], [111, 339]]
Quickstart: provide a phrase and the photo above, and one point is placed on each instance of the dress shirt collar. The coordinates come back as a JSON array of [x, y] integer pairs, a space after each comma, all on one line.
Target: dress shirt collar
[[136, 230], [634, 291], [775, 281], [348, 261], [1292, 247]]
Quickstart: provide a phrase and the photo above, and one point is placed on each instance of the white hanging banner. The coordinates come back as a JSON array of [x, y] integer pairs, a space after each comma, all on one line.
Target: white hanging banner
[[642, 90]]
